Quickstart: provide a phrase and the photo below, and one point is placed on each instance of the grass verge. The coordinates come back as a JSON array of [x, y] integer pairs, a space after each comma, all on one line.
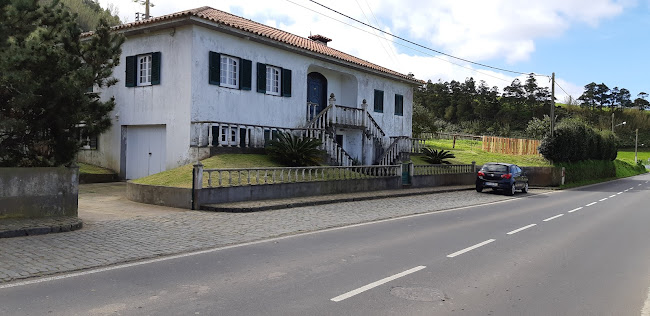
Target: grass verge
[[85, 168], [467, 151], [182, 176]]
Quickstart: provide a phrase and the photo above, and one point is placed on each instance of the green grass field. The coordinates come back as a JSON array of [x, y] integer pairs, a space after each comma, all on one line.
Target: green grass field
[[627, 155], [182, 176], [467, 151]]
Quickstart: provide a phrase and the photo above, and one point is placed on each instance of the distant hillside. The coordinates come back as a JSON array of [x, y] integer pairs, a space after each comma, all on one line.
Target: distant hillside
[[89, 12]]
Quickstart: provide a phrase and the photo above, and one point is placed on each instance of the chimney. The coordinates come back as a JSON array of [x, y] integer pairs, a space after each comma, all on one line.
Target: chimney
[[320, 39]]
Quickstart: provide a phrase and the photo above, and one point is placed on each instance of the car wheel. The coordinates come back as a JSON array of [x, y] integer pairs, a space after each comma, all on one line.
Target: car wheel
[[525, 188], [512, 190], [479, 188]]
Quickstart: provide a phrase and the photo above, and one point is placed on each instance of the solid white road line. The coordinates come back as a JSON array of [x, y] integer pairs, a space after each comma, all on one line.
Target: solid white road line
[[592, 203], [613, 195], [375, 284], [520, 229], [554, 217], [575, 209], [470, 248], [602, 200]]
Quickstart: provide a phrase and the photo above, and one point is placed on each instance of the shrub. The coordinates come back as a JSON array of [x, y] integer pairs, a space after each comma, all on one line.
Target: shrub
[[295, 151], [575, 141], [437, 157]]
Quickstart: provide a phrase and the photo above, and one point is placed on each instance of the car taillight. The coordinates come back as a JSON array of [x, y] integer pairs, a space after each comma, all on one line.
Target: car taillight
[[481, 174], [506, 176]]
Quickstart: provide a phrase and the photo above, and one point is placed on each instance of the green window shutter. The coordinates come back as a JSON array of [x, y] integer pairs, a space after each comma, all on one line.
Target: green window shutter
[[245, 74], [379, 101], [261, 78], [131, 70], [399, 104], [286, 82], [214, 61], [155, 68]]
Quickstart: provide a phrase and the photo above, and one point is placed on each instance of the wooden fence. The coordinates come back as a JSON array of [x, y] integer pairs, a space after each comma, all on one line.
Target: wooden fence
[[510, 146]]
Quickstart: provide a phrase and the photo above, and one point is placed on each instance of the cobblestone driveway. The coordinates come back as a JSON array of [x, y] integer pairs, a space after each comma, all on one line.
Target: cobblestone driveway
[[134, 237]]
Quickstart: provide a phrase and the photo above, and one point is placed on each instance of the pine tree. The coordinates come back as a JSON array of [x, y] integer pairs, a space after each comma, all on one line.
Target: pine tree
[[46, 72]]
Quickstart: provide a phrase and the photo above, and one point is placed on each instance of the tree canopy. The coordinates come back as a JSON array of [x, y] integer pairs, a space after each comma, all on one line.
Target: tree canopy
[[89, 13], [46, 78]]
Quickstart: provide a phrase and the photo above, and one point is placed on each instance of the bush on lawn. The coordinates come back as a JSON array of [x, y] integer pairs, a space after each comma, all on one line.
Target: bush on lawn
[[575, 141]]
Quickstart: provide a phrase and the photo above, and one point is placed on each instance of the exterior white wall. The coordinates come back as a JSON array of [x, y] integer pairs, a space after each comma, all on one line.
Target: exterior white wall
[[165, 104], [350, 87], [184, 94]]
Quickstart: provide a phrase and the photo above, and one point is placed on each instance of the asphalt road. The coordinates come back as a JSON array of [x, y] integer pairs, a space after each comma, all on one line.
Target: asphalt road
[[576, 252]]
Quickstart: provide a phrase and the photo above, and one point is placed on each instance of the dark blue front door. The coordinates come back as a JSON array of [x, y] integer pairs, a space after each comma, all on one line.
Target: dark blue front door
[[317, 90]]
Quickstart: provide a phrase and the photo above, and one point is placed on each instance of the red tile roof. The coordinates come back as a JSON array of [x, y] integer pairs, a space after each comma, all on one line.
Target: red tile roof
[[266, 31]]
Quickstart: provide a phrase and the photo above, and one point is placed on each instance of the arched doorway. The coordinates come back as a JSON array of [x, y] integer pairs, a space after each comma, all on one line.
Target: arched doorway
[[317, 91]]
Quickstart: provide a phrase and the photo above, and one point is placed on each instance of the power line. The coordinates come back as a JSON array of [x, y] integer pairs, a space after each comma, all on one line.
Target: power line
[[400, 44], [422, 46], [380, 41], [562, 89], [379, 25]]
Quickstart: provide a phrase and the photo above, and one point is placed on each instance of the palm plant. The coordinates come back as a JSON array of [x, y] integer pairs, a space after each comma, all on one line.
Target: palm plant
[[295, 151], [437, 157]]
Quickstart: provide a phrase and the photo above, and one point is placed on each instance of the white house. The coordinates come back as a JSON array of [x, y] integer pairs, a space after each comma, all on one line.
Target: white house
[[198, 80]]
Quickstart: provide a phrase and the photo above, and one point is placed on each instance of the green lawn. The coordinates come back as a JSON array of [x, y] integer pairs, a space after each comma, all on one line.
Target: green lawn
[[627, 155], [85, 168], [467, 151], [182, 176]]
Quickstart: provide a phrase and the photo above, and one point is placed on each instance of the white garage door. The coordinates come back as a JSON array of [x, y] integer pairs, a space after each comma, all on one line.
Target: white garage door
[[145, 150]]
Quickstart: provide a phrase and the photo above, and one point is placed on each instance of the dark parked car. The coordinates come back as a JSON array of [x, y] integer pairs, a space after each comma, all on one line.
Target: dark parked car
[[501, 176]]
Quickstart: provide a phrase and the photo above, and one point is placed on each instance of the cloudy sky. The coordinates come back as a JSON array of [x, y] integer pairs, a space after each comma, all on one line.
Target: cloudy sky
[[580, 40]]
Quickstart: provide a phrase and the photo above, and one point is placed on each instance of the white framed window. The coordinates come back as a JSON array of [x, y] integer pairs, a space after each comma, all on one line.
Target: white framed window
[[229, 72], [273, 80], [144, 70]]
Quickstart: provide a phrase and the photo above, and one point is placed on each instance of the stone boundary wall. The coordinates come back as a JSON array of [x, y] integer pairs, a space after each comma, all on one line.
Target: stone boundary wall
[[38, 192], [291, 190], [159, 195], [443, 180], [544, 176]]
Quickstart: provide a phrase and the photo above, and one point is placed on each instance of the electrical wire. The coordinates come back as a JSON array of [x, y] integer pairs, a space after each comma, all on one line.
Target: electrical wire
[[380, 41], [400, 44], [419, 45], [379, 25]]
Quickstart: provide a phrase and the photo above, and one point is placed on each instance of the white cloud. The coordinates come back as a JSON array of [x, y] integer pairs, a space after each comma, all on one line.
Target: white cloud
[[484, 31]]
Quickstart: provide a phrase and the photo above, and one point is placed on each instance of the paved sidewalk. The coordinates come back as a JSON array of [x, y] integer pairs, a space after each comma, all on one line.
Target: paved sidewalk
[[117, 230]]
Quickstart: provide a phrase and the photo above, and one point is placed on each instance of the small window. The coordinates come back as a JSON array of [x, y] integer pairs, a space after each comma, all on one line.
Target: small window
[[229, 72], [273, 80], [379, 101], [144, 70], [399, 104]]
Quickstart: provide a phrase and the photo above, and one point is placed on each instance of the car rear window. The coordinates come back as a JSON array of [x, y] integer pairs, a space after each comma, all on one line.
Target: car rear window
[[495, 168]]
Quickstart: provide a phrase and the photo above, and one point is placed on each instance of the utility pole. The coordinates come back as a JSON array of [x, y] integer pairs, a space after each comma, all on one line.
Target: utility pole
[[612, 122], [636, 146], [552, 104], [146, 9]]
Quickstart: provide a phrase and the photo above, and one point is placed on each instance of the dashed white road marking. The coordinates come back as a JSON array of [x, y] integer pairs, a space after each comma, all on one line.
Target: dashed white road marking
[[520, 229], [602, 200], [611, 196], [631, 188], [554, 217], [375, 284], [592, 203], [619, 193], [460, 252], [575, 209], [638, 185]]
